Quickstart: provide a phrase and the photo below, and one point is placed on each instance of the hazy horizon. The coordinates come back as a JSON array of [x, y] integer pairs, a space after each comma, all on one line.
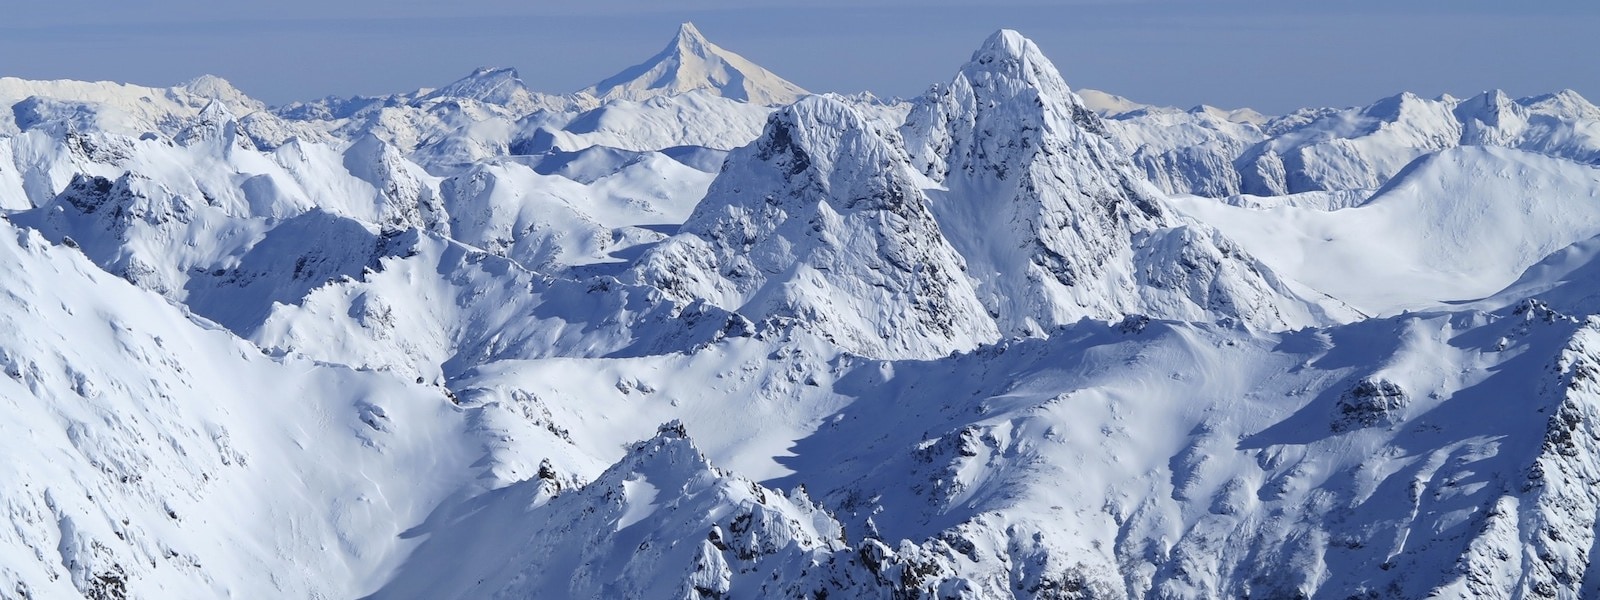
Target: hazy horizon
[[1272, 57]]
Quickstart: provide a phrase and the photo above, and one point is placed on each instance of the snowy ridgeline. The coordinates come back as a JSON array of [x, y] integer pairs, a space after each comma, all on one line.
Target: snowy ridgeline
[[693, 332]]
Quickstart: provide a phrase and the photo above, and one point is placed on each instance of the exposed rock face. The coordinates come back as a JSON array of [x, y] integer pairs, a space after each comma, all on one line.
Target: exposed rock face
[[1370, 403], [733, 532], [405, 197], [107, 219], [1557, 538]]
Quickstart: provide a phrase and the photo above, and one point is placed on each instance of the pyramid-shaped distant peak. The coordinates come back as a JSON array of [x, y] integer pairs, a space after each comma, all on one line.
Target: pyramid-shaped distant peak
[[692, 63], [689, 38]]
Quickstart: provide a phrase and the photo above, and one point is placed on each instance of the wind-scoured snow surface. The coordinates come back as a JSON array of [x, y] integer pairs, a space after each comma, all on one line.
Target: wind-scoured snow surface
[[696, 333]]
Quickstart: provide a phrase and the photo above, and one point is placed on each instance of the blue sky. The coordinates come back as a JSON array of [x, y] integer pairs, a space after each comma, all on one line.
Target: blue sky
[[1274, 56]]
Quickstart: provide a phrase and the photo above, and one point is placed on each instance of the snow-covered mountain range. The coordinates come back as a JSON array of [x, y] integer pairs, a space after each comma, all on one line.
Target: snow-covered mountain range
[[695, 332]]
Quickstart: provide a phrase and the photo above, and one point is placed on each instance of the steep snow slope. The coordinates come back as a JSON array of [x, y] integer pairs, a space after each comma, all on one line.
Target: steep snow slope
[[691, 62], [623, 531], [1456, 225], [1138, 459], [1171, 491], [1110, 105], [149, 455], [1568, 280]]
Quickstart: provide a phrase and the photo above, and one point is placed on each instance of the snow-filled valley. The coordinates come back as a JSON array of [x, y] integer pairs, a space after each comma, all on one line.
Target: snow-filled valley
[[694, 332]]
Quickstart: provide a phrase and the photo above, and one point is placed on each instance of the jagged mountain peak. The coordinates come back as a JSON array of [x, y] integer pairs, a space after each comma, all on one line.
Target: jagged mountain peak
[[1022, 159], [821, 223], [1007, 55], [1006, 43], [1350, 152], [216, 111], [405, 200], [1491, 118], [670, 450], [813, 150], [1008, 91], [215, 122], [691, 62], [822, 136], [1490, 102], [816, 150]]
